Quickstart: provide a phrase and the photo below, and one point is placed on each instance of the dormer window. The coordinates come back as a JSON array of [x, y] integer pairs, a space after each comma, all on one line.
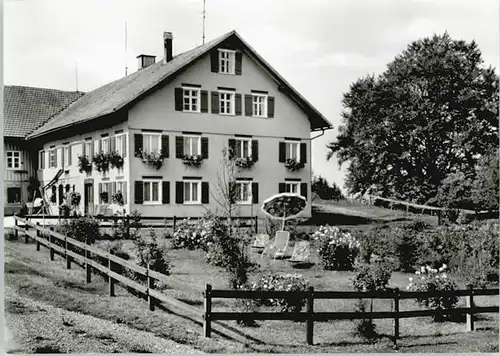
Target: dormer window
[[226, 61]]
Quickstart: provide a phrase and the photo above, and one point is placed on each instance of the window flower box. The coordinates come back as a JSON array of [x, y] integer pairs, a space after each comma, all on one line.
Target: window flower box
[[84, 165], [153, 159], [116, 160], [192, 160], [294, 165], [246, 162], [101, 161]]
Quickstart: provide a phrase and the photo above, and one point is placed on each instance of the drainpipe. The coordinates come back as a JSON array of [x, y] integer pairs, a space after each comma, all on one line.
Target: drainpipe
[[321, 134]]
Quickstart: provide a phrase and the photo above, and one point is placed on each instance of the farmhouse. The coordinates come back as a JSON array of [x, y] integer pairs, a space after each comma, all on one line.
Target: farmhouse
[[157, 135]]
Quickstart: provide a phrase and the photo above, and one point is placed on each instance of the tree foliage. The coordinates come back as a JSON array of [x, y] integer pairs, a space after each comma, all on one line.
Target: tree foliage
[[324, 190], [429, 117]]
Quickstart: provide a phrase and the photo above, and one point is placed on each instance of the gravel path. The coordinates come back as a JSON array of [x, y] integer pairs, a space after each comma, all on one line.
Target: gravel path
[[34, 327]]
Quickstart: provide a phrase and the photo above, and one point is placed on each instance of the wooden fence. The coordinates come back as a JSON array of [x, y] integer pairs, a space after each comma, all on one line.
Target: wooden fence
[[310, 316], [107, 264], [153, 221]]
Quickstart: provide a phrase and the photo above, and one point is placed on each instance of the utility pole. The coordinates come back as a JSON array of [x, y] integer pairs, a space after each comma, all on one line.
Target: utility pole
[[203, 39], [76, 75], [126, 68]]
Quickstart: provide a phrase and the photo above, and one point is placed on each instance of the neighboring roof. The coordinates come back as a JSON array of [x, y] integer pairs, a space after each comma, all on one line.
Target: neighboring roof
[[27, 108], [115, 95]]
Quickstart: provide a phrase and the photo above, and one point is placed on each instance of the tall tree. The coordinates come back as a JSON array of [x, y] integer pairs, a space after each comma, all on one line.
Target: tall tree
[[433, 112]]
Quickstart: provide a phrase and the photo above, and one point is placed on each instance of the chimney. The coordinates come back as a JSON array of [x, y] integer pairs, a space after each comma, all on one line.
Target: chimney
[[167, 44], [145, 60]]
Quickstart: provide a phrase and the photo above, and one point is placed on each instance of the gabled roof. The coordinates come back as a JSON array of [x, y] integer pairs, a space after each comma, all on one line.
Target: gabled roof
[[122, 92], [27, 108]]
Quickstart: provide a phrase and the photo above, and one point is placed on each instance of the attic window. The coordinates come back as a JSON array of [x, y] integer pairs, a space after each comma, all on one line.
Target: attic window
[[226, 61]]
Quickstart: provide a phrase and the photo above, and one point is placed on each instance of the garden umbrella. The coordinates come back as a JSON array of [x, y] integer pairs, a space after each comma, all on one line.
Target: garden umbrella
[[284, 206]]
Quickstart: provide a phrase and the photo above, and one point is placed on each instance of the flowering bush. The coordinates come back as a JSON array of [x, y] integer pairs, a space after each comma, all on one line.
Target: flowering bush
[[150, 253], [294, 165], [372, 277], [428, 279], [192, 160], [83, 229], [276, 282], [337, 249], [245, 162], [84, 165], [116, 160], [197, 235], [154, 159]]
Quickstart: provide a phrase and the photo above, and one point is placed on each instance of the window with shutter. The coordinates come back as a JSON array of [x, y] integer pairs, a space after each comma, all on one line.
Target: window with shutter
[[303, 190], [292, 187], [227, 61], [192, 192], [259, 105], [270, 107], [119, 144], [191, 98], [226, 102], [152, 191]]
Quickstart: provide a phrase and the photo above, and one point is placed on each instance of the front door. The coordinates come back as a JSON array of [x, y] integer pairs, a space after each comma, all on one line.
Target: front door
[[89, 198]]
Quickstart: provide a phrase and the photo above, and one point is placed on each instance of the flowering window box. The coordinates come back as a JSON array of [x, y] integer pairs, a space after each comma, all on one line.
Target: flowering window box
[[246, 162], [153, 159], [294, 165], [192, 160]]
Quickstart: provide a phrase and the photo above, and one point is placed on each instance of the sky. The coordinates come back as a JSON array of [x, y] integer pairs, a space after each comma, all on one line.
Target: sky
[[319, 46]]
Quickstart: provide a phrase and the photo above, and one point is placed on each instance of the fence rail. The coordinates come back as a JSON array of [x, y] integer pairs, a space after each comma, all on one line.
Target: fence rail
[[310, 316], [163, 221]]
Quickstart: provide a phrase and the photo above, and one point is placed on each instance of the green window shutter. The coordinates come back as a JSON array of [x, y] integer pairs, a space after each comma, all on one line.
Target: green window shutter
[[248, 105], [179, 146], [138, 144], [237, 104], [238, 59], [255, 193], [215, 102], [204, 101], [100, 192], [179, 192], [165, 146], [282, 152], [165, 199], [178, 93], [281, 187], [204, 192], [303, 190], [214, 60], [255, 150], [270, 106], [204, 147], [138, 192], [303, 152], [124, 146], [232, 148]]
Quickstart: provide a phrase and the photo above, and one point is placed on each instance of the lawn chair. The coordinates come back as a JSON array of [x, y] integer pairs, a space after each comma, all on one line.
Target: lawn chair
[[261, 241], [279, 244], [300, 254]]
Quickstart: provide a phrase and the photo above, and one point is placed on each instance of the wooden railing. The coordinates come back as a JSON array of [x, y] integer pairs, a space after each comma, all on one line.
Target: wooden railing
[[153, 221], [309, 316]]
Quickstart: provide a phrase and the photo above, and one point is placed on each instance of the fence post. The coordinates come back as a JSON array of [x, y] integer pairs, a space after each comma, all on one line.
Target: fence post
[[128, 226], [207, 301], [68, 257], [256, 225], [150, 283], [470, 304], [396, 315], [310, 316], [51, 241], [111, 281], [16, 234], [38, 235], [88, 278], [175, 220]]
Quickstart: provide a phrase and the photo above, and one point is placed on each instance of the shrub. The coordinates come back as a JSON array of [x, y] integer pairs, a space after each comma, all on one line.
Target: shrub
[[276, 282], [406, 248], [187, 235], [337, 250], [365, 328], [83, 229], [430, 280]]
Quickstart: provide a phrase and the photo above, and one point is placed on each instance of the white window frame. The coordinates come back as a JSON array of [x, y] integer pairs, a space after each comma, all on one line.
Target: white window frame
[[227, 61], [121, 185], [119, 143], [89, 146], [255, 101], [231, 102], [41, 158], [105, 186], [53, 151], [160, 192], [239, 142], [198, 191], [248, 183], [15, 159], [187, 93], [151, 136], [66, 153], [289, 185], [190, 146], [105, 140], [297, 143]]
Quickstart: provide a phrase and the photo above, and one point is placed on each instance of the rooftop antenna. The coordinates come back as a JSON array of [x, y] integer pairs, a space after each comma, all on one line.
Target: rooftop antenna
[[203, 40], [76, 75], [126, 68]]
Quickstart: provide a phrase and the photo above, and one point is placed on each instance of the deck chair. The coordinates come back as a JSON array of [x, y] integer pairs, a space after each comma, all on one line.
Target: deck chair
[[300, 253], [261, 241], [279, 245]]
